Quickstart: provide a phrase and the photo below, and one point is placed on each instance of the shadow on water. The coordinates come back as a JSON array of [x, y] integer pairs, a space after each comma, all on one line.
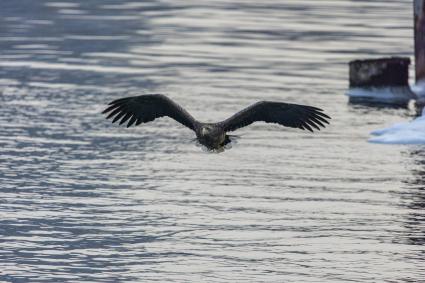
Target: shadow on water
[[372, 104]]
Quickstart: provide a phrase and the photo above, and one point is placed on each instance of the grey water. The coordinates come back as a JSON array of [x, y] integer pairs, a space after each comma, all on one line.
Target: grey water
[[83, 200]]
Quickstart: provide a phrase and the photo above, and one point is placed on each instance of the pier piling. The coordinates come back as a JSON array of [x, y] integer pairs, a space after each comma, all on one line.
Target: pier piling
[[419, 17], [383, 80]]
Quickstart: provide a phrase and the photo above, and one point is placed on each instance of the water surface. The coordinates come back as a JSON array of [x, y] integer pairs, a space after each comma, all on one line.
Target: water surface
[[87, 201]]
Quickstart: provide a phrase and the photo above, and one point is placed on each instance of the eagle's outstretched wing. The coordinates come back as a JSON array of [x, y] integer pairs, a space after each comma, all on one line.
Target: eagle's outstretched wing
[[289, 115], [146, 108]]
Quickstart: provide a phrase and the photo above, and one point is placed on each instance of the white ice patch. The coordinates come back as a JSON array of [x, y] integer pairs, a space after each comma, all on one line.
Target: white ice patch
[[419, 90], [391, 95], [402, 133]]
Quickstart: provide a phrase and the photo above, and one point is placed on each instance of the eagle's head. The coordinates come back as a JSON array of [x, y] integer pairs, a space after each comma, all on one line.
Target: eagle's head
[[207, 131]]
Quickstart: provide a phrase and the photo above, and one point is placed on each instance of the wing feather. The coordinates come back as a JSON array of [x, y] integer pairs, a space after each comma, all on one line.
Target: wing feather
[[146, 108], [290, 115]]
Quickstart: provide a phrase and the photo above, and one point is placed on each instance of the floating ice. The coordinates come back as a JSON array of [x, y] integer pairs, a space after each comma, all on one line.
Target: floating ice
[[402, 133]]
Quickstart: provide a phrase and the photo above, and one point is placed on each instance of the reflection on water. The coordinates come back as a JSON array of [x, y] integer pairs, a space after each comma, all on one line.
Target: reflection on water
[[84, 200], [414, 199]]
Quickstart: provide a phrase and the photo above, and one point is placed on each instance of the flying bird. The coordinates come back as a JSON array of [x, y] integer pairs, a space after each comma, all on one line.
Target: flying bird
[[148, 107]]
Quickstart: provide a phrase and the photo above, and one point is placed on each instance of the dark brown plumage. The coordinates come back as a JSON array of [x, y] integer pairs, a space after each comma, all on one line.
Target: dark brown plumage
[[145, 108]]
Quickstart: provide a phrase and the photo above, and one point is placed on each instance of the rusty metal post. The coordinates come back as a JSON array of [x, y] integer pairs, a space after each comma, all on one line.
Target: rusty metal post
[[419, 11], [383, 80]]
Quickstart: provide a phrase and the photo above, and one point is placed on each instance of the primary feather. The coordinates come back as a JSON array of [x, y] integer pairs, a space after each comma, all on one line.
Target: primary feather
[[146, 108], [286, 114]]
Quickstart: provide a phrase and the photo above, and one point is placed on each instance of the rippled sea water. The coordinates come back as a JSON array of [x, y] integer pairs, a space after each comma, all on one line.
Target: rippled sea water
[[83, 200]]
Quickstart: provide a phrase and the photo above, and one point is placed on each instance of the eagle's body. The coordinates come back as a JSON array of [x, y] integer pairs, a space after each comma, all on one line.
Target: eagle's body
[[211, 135], [145, 108]]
